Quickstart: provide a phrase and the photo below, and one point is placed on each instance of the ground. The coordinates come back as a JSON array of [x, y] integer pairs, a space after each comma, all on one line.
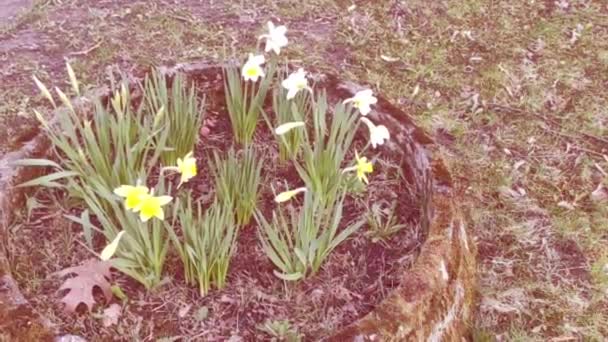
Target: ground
[[513, 92]]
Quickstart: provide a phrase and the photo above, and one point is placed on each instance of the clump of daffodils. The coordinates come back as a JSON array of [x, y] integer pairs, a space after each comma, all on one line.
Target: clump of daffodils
[[245, 98]]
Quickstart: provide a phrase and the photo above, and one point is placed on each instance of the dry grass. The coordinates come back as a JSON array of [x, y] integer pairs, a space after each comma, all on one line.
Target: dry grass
[[513, 91]]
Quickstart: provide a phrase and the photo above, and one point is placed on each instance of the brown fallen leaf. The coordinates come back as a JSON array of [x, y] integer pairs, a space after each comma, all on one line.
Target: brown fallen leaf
[[92, 273], [111, 315]]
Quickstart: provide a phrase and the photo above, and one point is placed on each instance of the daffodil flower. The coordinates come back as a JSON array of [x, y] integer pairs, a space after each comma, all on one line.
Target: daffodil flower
[[151, 206], [275, 39], [286, 127], [363, 100], [363, 166], [295, 82], [252, 70], [377, 134], [110, 249], [186, 167], [287, 195], [133, 195]]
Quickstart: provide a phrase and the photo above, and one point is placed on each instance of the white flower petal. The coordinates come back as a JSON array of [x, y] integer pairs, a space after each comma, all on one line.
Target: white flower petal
[[258, 59], [377, 134], [292, 93], [369, 123], [365, 109], [269, 46], [383, 132], [286, 127], [110, 249], [280, 30], [287, 195], [295, 82]]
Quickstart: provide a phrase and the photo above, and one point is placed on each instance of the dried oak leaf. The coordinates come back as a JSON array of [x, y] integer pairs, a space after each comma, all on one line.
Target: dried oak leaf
[[91, 273], [111, 315]]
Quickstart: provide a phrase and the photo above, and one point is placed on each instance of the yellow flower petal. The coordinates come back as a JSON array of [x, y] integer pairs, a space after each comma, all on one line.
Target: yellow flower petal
[[363, 166], [187, 167], [134, 195], [151, 207]]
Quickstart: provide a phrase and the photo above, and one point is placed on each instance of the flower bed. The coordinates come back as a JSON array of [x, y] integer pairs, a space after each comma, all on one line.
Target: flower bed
[[269, 289]]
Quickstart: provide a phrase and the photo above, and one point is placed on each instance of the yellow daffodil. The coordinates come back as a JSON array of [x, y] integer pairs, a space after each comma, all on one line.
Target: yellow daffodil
[[133, 195], [363, 100], [110, 249], [295, 82], [151, 206], [286, 127], [287, 195], [363, 166], [275, 39], [186, 167], [252, 70], [377, 134]]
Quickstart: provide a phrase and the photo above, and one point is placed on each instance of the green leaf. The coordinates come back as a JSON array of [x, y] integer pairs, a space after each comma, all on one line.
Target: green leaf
[[289, 277], [118, 292], [35, 162], [48, 179], [87, 226], [300, 254]]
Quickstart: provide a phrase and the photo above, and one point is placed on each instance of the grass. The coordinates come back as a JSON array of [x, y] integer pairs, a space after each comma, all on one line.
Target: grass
[[514, 93]]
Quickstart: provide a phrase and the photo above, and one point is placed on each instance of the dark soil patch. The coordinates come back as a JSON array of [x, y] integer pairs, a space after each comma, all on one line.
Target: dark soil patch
[[354, 279], [573, 262]]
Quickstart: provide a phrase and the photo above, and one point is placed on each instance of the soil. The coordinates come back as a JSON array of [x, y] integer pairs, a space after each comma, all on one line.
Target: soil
[[10, 8], [356, 276]]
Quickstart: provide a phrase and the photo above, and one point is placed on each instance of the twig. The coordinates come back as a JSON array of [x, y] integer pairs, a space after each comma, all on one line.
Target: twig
[[570, 137], [594, 137], [578, 136], [87, 51]]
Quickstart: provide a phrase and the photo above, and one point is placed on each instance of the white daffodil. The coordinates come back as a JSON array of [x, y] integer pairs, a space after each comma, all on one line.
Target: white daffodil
[[275, 39], [110, 249], [377, 134], [286, 127], [287, 195], [363, 100], [295, 82], [252, 70]]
